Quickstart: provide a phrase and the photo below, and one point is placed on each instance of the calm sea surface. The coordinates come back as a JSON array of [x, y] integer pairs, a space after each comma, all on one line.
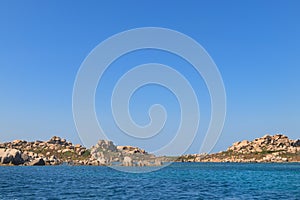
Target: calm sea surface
[[178, 181]]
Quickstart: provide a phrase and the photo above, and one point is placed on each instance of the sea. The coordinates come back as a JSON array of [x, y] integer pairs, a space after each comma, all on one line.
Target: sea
[[176, 181]]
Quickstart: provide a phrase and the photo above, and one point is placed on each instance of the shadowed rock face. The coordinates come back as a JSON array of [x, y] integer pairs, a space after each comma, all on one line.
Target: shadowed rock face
[[277, 148], [37, 162], [296, 143], [11, 156]]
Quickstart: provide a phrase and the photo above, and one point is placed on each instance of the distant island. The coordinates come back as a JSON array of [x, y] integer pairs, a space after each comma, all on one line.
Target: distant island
[[277, 148], [58, 151]]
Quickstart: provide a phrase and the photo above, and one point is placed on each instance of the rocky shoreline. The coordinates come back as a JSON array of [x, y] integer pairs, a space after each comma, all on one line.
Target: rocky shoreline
[[57, 151], [267, 149]]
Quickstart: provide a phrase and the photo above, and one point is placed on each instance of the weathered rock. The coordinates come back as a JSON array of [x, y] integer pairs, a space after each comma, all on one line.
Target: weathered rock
[[102, 161], [25, 157], [81, 152], [127, 161], [67, 150], [239, 145], [37, 162], [106, 145], [131, 150], [103, 153], [16, 142], [12, 156], [277, 148], [296, 143], [141, 164], [158, 162]]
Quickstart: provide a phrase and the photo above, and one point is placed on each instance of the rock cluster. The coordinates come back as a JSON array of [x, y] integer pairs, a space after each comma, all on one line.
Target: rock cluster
[[52, 152], [277, 148], [131, 149], [11, 156], [277, 142], [106, 153], [127, 161], [58, 151]]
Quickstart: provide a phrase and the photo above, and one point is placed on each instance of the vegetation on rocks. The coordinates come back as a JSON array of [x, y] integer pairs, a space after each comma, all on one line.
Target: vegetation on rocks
[[57, 151], [53, 152], [277, 148], [106, 153]]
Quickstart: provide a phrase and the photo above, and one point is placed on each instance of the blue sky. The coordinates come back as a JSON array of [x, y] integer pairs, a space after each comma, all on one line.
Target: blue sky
[[255, 45]]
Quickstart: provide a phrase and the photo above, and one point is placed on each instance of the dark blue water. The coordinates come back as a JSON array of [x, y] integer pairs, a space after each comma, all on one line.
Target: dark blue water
[[178, 181]]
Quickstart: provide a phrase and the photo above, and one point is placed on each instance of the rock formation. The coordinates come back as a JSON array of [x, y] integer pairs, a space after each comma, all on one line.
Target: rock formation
[[127, 161], [131, 149], [106, 153], [277, 148], [58, 151], [11, 156], [52, 152], [37, 162]]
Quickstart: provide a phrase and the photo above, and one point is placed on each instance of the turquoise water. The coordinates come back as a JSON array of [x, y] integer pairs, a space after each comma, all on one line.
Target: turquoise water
[[178, 181]]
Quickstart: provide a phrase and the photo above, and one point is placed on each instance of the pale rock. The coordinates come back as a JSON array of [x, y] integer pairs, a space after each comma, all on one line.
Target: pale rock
[[37, 162], [127, 161], [102, 161], [141, 164], [13, 156]]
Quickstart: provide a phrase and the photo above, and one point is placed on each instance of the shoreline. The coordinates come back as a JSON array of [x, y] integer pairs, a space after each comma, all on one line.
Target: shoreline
[[57, 151], [177, 162], [267, 149]]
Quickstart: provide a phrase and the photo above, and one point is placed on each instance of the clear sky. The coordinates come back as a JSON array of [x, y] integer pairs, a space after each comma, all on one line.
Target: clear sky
[[255, 44]]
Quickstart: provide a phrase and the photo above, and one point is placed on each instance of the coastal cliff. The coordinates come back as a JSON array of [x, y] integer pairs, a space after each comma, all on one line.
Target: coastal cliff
[[277, 148]]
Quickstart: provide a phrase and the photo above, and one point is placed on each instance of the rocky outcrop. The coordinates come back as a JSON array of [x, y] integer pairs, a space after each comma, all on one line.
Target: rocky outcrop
[[11, 156], [267, 143], [106, 153], [131, 150], [106, 145], [296, 143], [53, 152], [37, 162], [58, 151], [127, 161], [277, 148]]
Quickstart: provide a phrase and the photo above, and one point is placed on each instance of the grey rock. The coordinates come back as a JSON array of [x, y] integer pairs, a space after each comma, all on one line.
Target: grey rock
[[25, 157]]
